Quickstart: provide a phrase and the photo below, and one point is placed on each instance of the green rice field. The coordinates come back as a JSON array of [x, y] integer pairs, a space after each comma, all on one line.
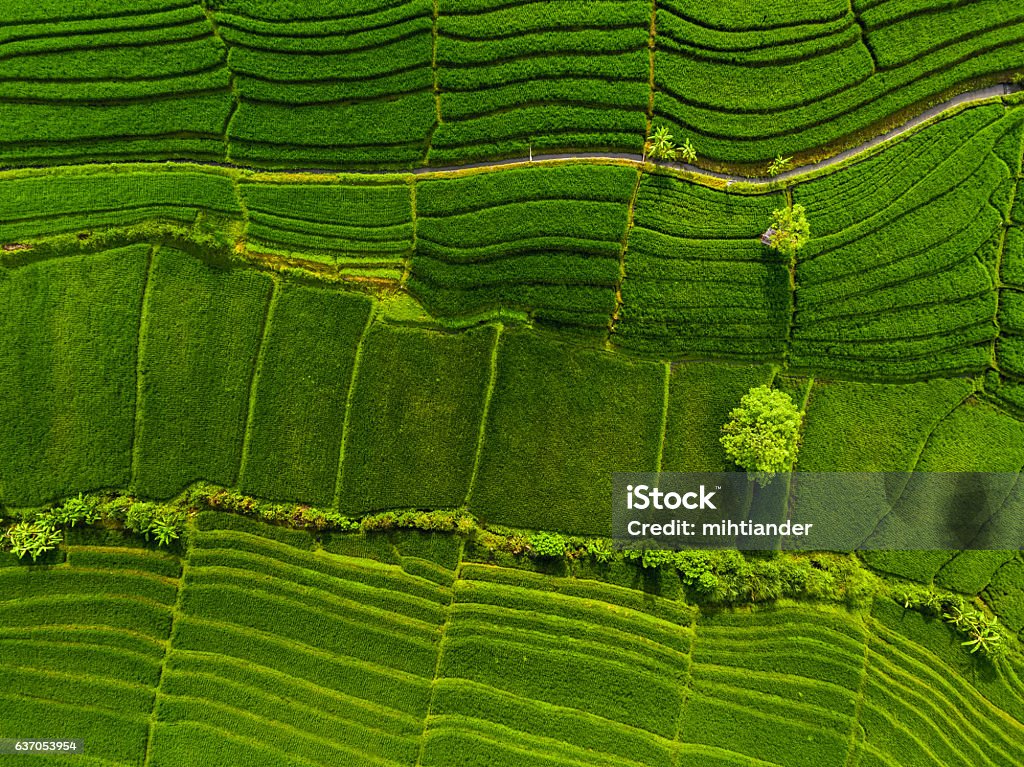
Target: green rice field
[[324, 327], [260, 647]]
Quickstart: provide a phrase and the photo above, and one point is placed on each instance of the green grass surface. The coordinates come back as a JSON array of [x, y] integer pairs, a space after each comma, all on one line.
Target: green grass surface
[[128, 81], [564, 76], [753, 84], [201, 334], [67, 362], [500, 340], [81, 650], [875, 427], [561, 420], [901, 280], [415, 418], [894, 310], [298, 412], [43, 204], [697, 280]]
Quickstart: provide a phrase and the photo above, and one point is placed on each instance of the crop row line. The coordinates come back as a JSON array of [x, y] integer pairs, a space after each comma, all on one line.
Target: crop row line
[[492, 379], [257, 369], [175, 612], [622, 259], [140, 349], [440, 653], [997, 280], [354, 377]]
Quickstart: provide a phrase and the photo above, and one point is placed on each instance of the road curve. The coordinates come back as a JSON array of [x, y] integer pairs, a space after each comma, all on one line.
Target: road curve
[[964, 99]]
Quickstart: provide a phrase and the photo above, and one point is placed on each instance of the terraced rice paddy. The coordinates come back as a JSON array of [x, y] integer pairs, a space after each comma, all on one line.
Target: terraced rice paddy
[[574, 300], [361, 84], [260, 647], [753, 89], [331, 303]]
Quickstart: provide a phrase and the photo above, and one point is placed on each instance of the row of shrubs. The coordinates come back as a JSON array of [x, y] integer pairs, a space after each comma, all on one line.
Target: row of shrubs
[[720, 577], [41, 531]]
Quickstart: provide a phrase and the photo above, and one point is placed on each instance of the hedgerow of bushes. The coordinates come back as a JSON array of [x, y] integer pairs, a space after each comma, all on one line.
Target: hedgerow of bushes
[[710, 577], [41, 531], [713, 577]]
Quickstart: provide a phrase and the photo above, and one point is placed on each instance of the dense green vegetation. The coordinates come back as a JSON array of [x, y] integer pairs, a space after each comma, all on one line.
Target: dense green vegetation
[[602, 284], [312, 468], [698, 282], [568, 76], [417, 406], [546, 239], [401, 84], [297, 410], [115, 80], [260, 643], [67, 360], [907, 283], [561, 421], [756, 82], [330, 221], [200, 334]]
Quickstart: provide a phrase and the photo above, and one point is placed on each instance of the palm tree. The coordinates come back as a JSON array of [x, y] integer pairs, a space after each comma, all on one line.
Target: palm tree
[[32, 538], [687, 152], [661, 145], [779, 165]]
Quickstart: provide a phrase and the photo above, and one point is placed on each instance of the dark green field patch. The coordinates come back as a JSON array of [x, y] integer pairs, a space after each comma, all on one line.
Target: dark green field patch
[[562, 419], [67, 374], [415, 419], [300, 394], [202, 328]]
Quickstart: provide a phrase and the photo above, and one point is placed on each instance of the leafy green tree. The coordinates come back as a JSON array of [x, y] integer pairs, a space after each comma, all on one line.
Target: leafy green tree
[[762, 434], [779, 165], [983, 635], [791, 231], [547, 545], [164, 530], [661, 146]]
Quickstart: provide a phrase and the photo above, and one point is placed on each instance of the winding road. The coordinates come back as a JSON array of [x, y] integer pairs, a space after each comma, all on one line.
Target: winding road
[[969, 98], [964, 99]]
